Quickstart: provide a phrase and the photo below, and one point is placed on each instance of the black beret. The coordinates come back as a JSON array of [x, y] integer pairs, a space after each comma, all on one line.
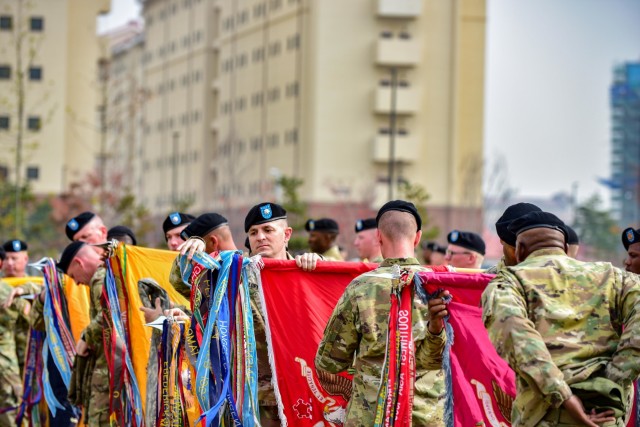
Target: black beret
[[325, 225], [572, 236], [402, 206], [15, 246], [629, 237], [467, 240], [76, 223], [68, 254], [511, 213], [365, 224], [175, 220], [3, 254], [538, 220], [119, 231], [263, 213], [434, 247], [203, 225]]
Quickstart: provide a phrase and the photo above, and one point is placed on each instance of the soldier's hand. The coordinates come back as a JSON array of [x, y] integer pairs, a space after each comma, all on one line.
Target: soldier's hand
[[191, 246], [82, 349], [15, 292], [177, 314], [307, 261], [437, 312], [151, 314], [573, 406]]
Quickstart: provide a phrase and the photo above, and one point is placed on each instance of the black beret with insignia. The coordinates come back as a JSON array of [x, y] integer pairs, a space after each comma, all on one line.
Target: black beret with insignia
[[263, 213], [68, 254], [467, 240], [538, 220], [15, 246], [76, 223], [325, 225], [511, 213], [120, 231], [203, 225], [175, 220], [402, 206], [434, 247], [365, 224], [629, 237]]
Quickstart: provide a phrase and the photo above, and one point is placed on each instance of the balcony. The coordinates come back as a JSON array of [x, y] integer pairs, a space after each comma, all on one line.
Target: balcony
[[399, 8], [407, 100], [397, 52], [406, 148]]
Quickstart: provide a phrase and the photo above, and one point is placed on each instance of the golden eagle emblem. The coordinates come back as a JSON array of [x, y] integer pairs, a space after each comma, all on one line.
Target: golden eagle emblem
[[334, 384], [504, 400]]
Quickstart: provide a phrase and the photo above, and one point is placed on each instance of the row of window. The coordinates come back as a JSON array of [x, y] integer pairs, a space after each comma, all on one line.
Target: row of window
[[401, 35], [170, 122], [170, 47], [34, 123], [256, 143], [258, 54], [169, 10], [259, 11], [34, 73], [36, 23], [258, 98], [33, 172], [187, 78]]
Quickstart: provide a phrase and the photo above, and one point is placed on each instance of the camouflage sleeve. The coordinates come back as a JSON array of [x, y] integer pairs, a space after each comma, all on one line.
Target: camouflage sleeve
[[93, 332], [429, 351], [624, 367], [340, 340], [31, 288], [36, 315], [175, 278], [504, 312]]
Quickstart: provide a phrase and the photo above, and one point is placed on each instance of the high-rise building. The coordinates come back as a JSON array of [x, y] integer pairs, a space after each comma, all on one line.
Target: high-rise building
[[48, 79], [245, 91], [625, 143]]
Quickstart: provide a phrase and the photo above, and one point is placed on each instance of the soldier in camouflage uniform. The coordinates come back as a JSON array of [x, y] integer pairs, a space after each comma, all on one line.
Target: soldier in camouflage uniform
[[359, 324], [84, 265], [569, 329], [323, 234], [10, 380]]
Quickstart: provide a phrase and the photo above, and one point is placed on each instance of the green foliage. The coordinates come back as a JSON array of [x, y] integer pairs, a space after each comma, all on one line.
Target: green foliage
[[296, 211], [418, 195], [598, 232]]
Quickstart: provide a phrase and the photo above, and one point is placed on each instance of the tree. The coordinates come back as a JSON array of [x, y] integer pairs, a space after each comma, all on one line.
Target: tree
[[296, 209], [418, 195], [598, 231]]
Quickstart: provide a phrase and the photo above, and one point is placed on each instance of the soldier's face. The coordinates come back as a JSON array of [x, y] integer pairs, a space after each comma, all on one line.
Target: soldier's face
[[632, 261], [319, 242], [15, 264], [173, 237], [270, 239], [509, 253], [367, 244]]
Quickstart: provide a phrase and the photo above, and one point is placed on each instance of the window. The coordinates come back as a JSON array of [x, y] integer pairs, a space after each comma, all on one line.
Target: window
[[404, 35], [5, 72], [35, 73], [5, 122], [33, 123], [6, 22], [33, 172], [386, 34], [37, 24]]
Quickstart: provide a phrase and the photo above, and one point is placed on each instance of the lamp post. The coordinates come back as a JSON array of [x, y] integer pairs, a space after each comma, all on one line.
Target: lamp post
[[392, 132]]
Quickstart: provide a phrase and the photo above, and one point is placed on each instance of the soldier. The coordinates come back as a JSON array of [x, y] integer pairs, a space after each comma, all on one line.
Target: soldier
[[573, 242], [122, 234], [433, 253], [631, 243], [567, 328], [86, 227], [173, 226], [465, 250], [358, 326], [10, 379], [3, 256], [322, 238], [366, 241], [85, 266], [507, 238]]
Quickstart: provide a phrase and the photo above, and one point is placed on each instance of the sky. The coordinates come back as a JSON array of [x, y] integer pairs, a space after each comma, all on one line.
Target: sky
[[549, 64]]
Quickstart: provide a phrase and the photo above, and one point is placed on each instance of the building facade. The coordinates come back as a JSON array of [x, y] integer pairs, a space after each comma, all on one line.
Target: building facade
[[48, 79], [242, 92], [625, 143]]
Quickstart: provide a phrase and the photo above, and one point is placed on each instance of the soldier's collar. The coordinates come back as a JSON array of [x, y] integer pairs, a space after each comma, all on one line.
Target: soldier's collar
[[399, 261]]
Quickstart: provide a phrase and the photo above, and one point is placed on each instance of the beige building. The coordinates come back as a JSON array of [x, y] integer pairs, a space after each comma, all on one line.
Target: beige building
[[243, 91], [59, 61]]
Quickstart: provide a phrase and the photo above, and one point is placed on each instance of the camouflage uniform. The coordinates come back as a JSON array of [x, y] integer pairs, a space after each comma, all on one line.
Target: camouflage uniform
[[496, 268], [559, 324], [22, 327], [332, 254], [10, 380], [95, 390], [359, 325]]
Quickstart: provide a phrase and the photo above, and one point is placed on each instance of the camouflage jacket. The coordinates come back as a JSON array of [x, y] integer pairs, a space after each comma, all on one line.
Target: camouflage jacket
[[558, 322], [358, 328], [93, 333], [9, 371], [496, 268]]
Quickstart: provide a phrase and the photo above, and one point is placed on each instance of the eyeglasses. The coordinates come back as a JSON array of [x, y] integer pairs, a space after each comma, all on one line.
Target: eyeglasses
[[449, 253]]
